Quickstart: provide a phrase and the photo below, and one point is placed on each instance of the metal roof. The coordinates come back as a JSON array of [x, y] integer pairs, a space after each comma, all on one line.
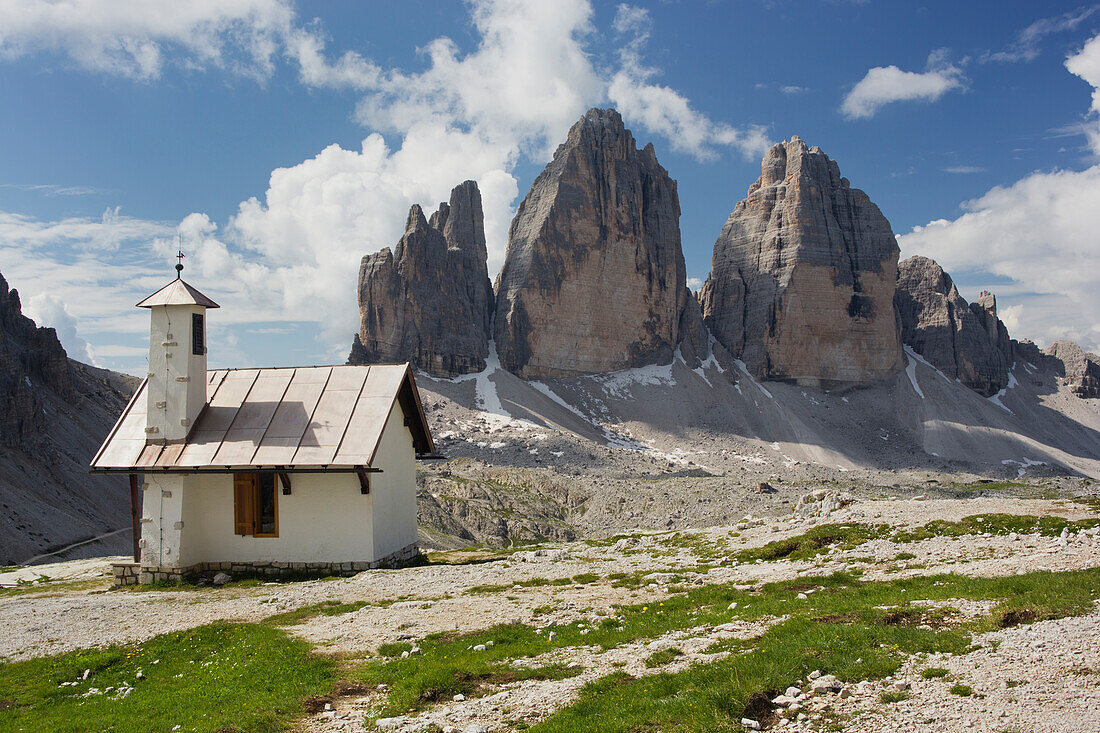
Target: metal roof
[[286, 419], [177, 292]]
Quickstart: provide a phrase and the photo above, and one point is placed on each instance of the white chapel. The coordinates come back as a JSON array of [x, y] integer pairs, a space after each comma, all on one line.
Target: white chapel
[[267, 471]]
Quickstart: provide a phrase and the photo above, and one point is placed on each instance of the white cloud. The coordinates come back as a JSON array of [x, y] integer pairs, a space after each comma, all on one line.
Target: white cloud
[[886, 84], [964, 169], [791, 89], [1040, 233], [1086, 64], [662, 109], [1026, 45], [47, 309], [50, 189], [1038, 236], [136, 38], [528, 80]]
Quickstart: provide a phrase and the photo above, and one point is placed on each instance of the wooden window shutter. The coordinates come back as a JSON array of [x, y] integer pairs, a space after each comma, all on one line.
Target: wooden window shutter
[[198, 335], [244, 503]]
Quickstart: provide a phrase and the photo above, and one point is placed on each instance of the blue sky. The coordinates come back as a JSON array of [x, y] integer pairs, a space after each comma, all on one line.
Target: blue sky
[[282, 141]]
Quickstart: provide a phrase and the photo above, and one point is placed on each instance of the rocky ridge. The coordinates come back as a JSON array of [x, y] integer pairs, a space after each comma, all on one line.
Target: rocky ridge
[[54, 413], [429, 300], [802, 280], [594, 278], [964, 341], [1081, 368]]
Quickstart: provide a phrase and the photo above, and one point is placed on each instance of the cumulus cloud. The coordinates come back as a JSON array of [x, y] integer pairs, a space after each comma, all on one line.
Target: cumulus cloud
[[47, 309], [1086, 64], [886, 84], [1034, 242], [662, 109], [1026, 45], [136, 38], [1038, 234]]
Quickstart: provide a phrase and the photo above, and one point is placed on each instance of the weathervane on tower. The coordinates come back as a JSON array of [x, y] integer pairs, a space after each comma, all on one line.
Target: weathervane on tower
[[179, 259]]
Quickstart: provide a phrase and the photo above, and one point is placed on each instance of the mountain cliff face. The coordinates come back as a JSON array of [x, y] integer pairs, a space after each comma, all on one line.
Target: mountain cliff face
[[429, 301], [802, 279], [965, 341], [27, 352], [1081, 369], [594, 277], [54, 413]]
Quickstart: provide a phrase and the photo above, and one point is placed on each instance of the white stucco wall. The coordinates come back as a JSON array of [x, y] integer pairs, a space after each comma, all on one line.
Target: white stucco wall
[[394, 490], [324, 519], [174, 405]]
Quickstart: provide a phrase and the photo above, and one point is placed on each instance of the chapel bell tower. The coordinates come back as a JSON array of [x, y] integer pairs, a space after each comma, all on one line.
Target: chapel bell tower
[[176, 388]]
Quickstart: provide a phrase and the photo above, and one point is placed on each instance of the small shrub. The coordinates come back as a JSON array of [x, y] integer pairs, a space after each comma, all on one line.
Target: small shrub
[[962, 690], [893, 696], [662, 657], [394, 649], [934, 673]]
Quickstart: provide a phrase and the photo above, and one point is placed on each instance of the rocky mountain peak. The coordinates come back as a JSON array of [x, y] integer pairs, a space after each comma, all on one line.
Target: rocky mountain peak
[[953, 336], [793, 159], [802, 278], [594, 276], [1081, 369], [429, 300], [31, 359]]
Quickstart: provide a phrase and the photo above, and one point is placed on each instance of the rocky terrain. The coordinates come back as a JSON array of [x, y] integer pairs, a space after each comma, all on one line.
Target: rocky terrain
[[429, 301], [949, 333], [594, 278], [1035, 676], [1081, 369], [664, 447], [54, 412], [802, 281]]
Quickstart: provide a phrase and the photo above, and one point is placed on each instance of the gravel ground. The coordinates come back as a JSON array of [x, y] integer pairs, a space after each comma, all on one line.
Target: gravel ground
[[1058, 659]]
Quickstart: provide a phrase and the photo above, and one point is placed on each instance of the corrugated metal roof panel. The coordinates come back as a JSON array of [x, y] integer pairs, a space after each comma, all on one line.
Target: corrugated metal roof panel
[[364, 430], [304, 417], [292, 416]]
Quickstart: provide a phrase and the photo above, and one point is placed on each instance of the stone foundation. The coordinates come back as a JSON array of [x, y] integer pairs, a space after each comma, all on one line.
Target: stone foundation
[[132, 573], [126, 573]]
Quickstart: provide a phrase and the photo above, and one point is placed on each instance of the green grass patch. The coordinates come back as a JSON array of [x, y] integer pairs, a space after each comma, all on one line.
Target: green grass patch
[[934, 673], [221, 677], [892, 696], [447, 666], [394, 649], [662, 657], [840, 628], [962, 690], [303, 614], [814, 542], [998, 524]]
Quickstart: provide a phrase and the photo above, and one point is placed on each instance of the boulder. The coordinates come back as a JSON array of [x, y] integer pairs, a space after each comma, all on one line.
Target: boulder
[[594, 277], [1081, 369], [802, 278], [966, 342], [429, 300]]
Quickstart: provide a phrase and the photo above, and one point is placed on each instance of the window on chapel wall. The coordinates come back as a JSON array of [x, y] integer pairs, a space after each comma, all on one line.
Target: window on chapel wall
[[255, 504]]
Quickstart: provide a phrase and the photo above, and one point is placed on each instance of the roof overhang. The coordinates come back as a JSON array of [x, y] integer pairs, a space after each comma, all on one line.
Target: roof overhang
[[300, 419]]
